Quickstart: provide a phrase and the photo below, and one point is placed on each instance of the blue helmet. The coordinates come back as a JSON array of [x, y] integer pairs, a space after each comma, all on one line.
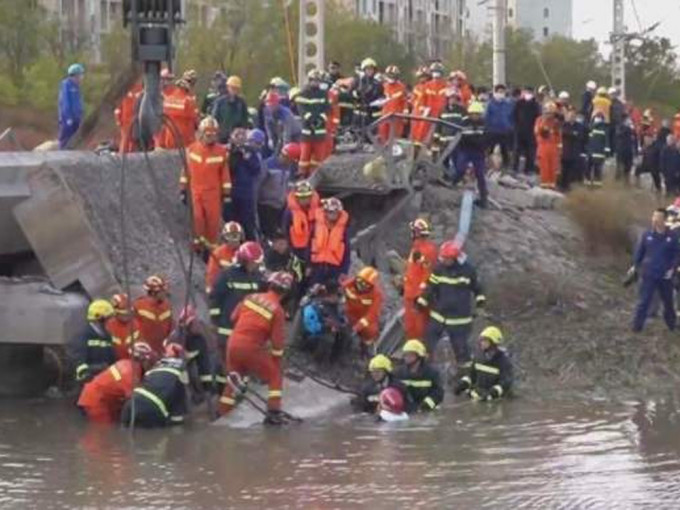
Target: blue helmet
[[74, 69], [256, 136], [311, 320]]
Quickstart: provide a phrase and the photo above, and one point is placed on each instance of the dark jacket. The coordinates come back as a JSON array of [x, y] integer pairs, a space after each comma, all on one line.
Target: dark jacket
[[491, 375], [618, 110], [455, 114], [245, 166], [93, 352], [526, 113], [230, 112], [574, 141], [313, 108], [289, 262], [424, 390], [232, 285], [598, 142], [656, 254], [449, 294], [498, 117], [669, 164], [587, 104], [626, 142], [368, 90], [164, 388], [473, 139]]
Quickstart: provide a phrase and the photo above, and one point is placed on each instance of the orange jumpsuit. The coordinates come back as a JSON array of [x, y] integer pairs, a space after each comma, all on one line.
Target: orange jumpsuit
[[676, 126], [395, 93], [421, 260], [180, 107], [333, 120], [155, 320], [103, 397], [363, 310], [257, 319], [419, 128], [465, 93], [125, 116], [220, 258], [210, 183], [123, 334], [548, 134]]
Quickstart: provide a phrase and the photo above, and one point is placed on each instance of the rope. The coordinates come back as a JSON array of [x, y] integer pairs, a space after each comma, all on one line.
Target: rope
[[322, 382]]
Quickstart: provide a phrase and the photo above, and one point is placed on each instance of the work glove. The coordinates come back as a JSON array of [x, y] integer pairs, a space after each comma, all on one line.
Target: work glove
[[461, 387], [183, 196], [479, 395], [631, 277]]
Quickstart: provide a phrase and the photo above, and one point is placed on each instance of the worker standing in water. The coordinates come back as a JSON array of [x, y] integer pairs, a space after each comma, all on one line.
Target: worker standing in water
[[154, 313], [93, 351], [424, 391]]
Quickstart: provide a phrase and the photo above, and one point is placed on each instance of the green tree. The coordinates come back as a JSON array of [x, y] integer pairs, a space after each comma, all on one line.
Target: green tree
[[20, 26]]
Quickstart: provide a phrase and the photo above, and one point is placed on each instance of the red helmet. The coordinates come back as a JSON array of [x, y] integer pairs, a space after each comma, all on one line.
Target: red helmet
[[173, 350], [280, 280], [187, 315], [155, 283], [332, 204], [141, 351], [292, 151], [449, 250], [272, 99], [392, 400], [250, 252], [120, 303]]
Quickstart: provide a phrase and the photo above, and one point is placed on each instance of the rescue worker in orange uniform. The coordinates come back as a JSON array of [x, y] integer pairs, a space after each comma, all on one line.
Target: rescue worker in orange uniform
[[125, 117], [436, 99], [314, 108], [395, 102], [259, 320], [420, 128], [179, 106], [167, 89], [459, 81], [209, 181], [676, 126], [154, 313], [330, 252], [223, 255], [103, 397], [333, 120], [363, 305], [299, 217], [122, 326], [421, 260], [548, 133]]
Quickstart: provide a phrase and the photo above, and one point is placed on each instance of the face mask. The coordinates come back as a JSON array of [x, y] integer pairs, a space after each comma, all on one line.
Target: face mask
[[528, 96], [499, 96], [580, 120], [436, 75]]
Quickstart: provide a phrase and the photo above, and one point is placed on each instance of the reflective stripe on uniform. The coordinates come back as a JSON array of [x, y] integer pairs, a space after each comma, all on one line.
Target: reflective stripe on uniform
[[215, 159], [259, 309], [242, 286], [373, 398], [462, 280], [450, 322], [80, 369], [153, 398], [214, 311], [96, 342], [275, 393], [115, 373], [429, 402], [364, 322], [195, 157], [228, 401], [165, 315], [225, 331], [422, 301], [417, 384], [206, 378], [487, 369], [192, 354], [499, 389], [147, 314], [480, 298], [277, 353]]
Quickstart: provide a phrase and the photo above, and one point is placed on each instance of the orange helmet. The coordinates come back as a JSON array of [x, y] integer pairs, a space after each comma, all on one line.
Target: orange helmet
[[449, 250], [155, 283], [392, 72], [420, 227], [368, 275], [120, 303]]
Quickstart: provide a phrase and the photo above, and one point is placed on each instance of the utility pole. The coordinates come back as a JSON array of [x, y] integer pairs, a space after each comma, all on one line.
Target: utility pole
[[618, 39], [499, 19], [311, 49]]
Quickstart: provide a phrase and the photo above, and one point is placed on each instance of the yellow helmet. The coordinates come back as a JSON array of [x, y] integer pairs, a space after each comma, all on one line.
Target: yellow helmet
[[234, 81], [368, 62], [476, 107], [368, 274], [416, 347], [493, 334], [99, 309], [293, 93], [380, 362]]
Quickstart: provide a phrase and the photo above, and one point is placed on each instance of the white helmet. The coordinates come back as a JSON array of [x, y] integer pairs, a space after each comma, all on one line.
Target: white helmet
[[613, 91], [591, 85], [564, 95]]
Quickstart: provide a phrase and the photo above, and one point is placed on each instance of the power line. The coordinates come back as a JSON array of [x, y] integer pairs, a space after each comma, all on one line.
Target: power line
[[637, 15]]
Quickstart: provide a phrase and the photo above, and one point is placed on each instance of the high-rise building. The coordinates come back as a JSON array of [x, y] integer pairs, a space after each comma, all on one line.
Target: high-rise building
[[544, 18], [425, 27]]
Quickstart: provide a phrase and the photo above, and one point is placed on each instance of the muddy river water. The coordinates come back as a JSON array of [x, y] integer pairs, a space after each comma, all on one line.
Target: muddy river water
[[520, 454]]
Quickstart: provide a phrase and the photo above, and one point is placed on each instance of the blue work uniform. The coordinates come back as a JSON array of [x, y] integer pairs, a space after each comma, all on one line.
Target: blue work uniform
[[656, 259], [70, 110]]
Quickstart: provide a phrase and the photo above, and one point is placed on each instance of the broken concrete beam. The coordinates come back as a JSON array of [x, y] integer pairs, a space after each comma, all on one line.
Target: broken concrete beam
[[544, 198], [33, 312], [60, 235]]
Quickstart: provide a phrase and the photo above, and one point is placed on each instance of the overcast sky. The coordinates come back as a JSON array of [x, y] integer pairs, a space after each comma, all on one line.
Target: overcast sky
[[593, 18]]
